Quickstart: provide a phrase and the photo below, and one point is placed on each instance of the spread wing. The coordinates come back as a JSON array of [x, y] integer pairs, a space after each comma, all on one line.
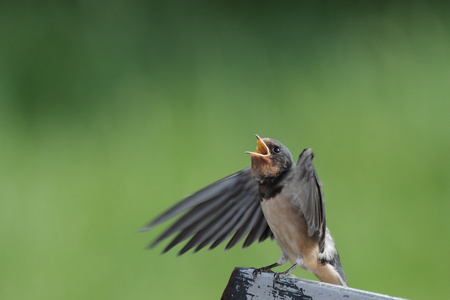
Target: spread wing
[[227, 207], [307, 193]]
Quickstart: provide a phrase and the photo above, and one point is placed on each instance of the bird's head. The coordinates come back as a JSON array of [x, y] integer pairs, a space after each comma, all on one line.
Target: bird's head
[[271, 160]]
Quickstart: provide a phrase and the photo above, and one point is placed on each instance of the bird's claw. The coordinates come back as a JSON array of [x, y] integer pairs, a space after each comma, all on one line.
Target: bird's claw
[[277, 277], [258, 271]]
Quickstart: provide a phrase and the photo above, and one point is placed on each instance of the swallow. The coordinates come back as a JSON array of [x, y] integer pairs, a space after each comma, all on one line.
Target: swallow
[[273, 198]]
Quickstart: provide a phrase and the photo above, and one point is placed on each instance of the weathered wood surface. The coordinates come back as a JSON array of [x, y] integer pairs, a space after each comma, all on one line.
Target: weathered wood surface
[[243, 285]]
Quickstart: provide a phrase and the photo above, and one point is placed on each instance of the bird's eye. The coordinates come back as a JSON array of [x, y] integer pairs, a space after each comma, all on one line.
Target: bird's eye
[[276, 150]]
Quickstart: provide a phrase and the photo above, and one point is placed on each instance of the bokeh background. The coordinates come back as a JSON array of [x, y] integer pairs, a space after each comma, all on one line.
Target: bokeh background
[[112, 111]]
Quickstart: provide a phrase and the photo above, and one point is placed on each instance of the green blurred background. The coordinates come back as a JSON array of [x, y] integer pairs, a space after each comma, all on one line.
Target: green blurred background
[[112, 111]]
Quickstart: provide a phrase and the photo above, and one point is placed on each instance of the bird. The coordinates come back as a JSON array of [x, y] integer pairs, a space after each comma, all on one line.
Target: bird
[[273, 198]]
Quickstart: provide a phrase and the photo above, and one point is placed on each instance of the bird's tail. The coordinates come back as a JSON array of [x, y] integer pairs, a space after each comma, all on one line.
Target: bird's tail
[[336, 263]]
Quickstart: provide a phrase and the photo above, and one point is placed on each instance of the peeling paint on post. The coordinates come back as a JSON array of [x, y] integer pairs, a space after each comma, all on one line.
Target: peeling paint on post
[[242, 285]]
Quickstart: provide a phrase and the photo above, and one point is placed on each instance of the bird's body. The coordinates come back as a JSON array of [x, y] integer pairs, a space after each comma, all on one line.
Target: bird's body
[[274, 198], [290, 230]]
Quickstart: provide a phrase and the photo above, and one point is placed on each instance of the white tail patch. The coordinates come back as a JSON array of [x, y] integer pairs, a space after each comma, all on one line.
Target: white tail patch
[[329, 251]]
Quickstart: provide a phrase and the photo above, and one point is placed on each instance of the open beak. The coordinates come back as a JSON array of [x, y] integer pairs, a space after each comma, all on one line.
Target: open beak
[[261, 148]]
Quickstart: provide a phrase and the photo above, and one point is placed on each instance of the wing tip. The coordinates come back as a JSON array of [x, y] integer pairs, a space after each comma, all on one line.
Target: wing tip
[[307, 152], [152, 224], [144, 229]]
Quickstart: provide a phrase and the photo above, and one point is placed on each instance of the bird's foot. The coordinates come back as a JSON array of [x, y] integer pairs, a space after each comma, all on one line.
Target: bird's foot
[[268, 269], [278, 275], [258, 271]]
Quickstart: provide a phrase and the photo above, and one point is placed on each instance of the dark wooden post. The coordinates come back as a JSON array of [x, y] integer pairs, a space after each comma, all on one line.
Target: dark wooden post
[[242, 285]]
